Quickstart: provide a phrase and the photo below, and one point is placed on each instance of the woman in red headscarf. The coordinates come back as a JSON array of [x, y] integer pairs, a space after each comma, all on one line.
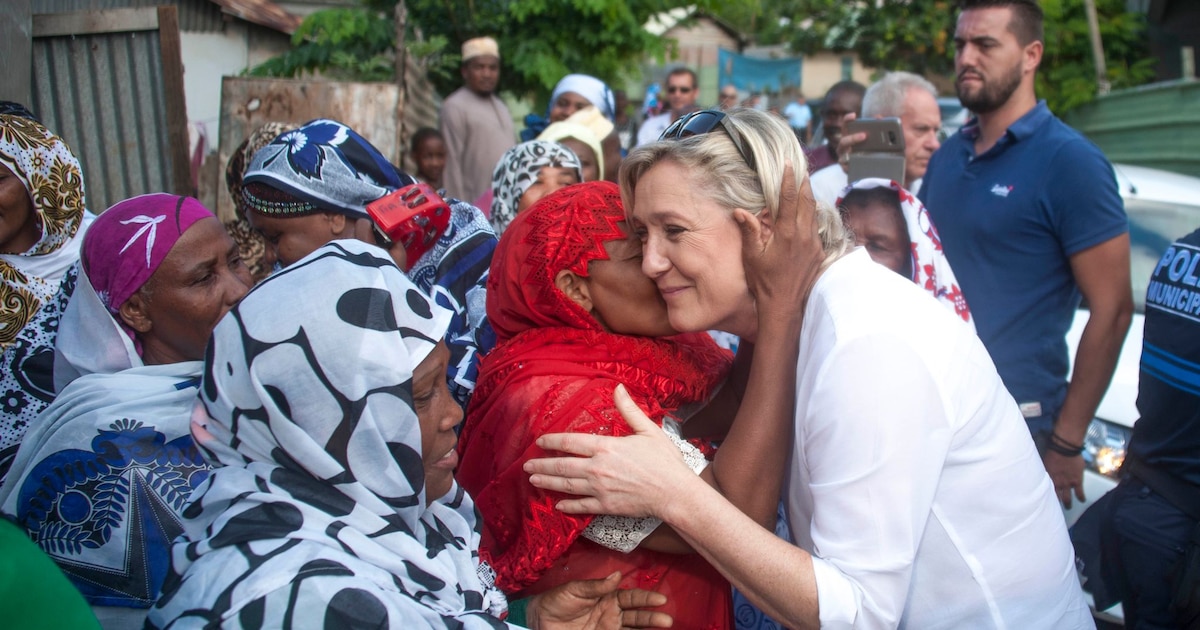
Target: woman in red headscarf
[[574, 317]]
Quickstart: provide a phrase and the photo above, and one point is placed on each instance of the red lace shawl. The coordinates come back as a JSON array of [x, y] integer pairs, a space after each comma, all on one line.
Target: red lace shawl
[[554, 370]]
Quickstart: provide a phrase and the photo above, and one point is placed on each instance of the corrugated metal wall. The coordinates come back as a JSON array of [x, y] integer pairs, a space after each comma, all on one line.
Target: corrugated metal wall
[[194, 15], [102, 94], [106, 94], [1156, 125]]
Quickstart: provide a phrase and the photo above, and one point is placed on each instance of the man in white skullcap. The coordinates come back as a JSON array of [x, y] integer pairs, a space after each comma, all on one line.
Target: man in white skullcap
[[476, 124]]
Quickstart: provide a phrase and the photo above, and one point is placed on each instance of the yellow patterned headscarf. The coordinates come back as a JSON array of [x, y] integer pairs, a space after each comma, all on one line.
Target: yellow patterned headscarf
[[51, 175]]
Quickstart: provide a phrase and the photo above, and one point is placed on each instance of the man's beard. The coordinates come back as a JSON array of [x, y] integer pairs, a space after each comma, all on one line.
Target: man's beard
[[992, 95]]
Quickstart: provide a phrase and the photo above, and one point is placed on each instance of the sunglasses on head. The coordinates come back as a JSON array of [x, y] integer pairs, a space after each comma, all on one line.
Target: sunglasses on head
[[675, 88], [702, 122]]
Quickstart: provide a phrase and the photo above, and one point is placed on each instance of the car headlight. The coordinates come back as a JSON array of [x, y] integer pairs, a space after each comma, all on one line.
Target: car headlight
[[1104, 447]]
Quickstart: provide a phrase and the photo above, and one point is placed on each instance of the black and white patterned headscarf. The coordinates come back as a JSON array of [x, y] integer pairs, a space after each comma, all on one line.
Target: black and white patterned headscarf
[[315, 514], [518, 169]]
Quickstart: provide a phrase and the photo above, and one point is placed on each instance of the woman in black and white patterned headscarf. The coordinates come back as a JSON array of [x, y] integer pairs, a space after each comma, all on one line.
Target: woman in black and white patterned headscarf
[[332, 504], [317, 512], [527, 172]]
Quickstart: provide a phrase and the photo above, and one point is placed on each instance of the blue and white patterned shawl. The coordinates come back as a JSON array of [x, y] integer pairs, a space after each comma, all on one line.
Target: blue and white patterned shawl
[[100, 480], [455, 273]]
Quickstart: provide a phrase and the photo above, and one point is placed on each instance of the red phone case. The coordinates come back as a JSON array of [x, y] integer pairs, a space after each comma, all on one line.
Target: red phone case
[[415, 216]]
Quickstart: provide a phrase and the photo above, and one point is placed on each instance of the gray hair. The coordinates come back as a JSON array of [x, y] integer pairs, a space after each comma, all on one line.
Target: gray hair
[[722, 174], [885, 97]]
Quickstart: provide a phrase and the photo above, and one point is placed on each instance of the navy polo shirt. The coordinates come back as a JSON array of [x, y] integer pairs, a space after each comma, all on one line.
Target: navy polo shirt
[[1009, 221], [1167, 436]]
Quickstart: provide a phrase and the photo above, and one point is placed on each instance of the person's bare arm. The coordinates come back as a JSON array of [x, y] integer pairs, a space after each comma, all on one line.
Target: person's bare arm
[[783, 258], [777, 576], [714, 420], [1102, 273]]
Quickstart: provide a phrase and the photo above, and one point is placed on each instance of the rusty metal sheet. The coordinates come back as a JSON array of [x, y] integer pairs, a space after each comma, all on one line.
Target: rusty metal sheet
[[248, 103]]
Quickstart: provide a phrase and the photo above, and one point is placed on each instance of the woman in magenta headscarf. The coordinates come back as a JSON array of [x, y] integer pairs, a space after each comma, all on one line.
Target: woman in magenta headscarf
[[102, 476]]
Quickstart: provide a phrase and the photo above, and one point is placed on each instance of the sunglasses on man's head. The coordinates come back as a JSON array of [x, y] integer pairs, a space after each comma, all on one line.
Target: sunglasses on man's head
[[702, 122], [675, 88]]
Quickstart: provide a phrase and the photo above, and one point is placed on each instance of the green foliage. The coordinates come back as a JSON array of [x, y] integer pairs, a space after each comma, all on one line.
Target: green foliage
[[914, 36], [354, 44], [1067, 77], [918, 36], [540, 40]]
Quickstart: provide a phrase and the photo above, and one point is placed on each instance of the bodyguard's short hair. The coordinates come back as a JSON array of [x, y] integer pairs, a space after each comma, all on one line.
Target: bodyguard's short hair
[[886, 96], [1026, 21]]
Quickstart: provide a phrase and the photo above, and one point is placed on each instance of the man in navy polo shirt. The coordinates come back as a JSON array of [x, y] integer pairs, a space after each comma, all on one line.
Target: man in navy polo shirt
[[1030, 218]]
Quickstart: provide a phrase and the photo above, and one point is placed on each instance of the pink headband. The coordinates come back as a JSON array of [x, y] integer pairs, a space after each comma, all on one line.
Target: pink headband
[[126, 244]]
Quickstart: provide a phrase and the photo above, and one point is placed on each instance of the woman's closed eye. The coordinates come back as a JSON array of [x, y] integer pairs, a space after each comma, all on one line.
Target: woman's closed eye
[[422, 400], [674, 230]]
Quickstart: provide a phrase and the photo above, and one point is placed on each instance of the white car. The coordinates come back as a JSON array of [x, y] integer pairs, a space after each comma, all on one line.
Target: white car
[[1162, 207]]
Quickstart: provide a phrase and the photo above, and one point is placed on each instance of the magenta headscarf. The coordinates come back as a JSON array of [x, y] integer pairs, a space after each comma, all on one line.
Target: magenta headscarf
[[127, 243]]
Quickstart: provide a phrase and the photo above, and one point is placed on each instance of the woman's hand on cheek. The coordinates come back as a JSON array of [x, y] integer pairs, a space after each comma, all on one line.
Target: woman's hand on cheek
[[782, 256], [633, 475]]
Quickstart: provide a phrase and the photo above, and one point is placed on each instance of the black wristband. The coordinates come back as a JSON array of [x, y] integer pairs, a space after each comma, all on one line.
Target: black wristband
[[1063, 447]]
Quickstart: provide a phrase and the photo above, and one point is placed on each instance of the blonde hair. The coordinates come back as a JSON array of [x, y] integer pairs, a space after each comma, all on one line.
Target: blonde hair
[[719, 171]]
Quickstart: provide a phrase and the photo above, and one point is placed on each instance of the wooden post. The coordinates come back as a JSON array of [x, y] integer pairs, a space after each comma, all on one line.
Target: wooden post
[[176, 104], [16, 49], [1102, 85], [401, 19]]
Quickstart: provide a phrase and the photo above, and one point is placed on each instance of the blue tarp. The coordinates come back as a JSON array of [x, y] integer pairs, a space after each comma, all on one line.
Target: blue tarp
[[749, 74]]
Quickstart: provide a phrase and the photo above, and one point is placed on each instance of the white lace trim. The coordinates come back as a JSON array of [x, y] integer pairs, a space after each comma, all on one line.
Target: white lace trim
[[624, 533]]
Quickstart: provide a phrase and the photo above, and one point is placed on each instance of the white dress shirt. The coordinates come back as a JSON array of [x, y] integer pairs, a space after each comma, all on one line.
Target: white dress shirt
[[913, 480]]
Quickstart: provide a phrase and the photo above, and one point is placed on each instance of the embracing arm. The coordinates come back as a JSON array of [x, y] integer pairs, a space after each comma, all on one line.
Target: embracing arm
[[873, 464], [1102, 273], [752, 557], [713, 421], [783, 257], [779, 575]]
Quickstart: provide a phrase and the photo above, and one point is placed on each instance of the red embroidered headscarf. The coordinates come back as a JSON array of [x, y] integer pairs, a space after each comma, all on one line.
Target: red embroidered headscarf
[[554, 370]]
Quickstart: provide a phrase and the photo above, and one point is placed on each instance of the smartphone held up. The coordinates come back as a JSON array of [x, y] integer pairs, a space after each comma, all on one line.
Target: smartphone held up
[[881, 154]]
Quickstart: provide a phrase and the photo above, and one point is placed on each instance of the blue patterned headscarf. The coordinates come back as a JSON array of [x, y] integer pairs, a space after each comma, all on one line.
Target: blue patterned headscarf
[[322, 166]]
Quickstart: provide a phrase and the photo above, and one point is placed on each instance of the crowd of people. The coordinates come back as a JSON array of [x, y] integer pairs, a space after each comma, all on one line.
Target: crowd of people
[[677, 374]]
